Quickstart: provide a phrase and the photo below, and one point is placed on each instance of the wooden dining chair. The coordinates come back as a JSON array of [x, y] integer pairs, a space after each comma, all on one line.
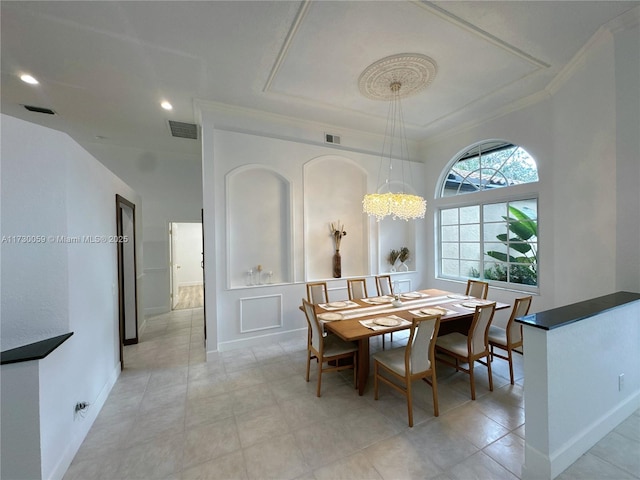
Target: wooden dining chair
[[384, 287], [510, 337], [357, 288], [329, 349], [469, 348], [317, 292], [399, 367], [477, 289]]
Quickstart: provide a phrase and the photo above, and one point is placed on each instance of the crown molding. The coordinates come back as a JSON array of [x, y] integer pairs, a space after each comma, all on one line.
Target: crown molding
[[627, 20], [605, 33]]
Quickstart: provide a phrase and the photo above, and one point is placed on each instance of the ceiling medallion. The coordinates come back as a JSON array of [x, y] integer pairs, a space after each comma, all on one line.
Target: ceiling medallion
[[411, 70]]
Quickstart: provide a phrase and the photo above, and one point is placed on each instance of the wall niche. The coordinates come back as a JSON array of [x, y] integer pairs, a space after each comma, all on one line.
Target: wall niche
[[333, 190], [258, 209]]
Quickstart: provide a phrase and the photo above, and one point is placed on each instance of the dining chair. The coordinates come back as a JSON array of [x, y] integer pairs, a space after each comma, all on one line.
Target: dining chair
[[357, 288], [510, 337], [317, 292], [384, 287], [469, 348], [399, 367], [477, 289], [330, 349]]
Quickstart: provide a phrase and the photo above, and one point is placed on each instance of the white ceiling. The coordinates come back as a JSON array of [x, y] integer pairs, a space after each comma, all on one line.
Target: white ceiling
[[104, 67]]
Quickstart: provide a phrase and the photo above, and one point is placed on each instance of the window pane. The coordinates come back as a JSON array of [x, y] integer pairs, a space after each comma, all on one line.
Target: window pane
[[470, 233], [495, 251], [523, 274], [470, 214], [528, 207], [451, 268], [494, 212], [450, 234], [470, 269], [470, 251], [449, 216], [450, 250], [495, 271], [492, 230]]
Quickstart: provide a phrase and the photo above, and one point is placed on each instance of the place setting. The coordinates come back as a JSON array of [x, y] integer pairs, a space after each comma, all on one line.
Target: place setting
[[338, 305], [383, 323], [422, 312], [472, 304], [378, 300]]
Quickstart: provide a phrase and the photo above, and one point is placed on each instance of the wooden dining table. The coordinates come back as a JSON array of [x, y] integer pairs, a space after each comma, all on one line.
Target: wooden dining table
[[457, 313]]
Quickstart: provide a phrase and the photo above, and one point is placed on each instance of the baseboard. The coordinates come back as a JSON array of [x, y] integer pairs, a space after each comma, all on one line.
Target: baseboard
[[150, 311], [540, 466], [90, 417], [253, 341]]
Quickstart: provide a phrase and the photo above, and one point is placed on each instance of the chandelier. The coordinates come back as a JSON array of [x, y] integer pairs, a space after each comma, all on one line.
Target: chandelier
[[391, 79]]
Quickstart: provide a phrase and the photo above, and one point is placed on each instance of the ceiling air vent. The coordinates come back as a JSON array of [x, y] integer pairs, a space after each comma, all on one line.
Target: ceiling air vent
[[183, 130], [331, 138], [32, 108]]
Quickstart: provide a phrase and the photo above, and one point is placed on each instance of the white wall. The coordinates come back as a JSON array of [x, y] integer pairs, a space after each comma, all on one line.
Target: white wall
[[568, 411], [170, 186], [231, 304], [50, 187]]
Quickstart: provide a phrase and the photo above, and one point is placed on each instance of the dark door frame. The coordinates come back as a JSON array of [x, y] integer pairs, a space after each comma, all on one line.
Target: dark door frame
[[120, 202]]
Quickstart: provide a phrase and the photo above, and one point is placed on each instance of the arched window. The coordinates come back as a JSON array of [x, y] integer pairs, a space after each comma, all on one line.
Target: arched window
[[489, 165], [492, 235]]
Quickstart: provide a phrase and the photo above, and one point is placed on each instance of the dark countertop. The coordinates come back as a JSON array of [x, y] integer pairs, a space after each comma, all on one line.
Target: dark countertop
[[561, 316], [33, 351]]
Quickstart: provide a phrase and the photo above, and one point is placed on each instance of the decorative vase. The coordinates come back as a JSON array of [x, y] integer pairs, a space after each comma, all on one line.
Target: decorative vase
[[337, 265], [403, 267]]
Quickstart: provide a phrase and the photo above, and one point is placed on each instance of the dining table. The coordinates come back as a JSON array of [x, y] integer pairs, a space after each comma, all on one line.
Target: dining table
[[359, 320]]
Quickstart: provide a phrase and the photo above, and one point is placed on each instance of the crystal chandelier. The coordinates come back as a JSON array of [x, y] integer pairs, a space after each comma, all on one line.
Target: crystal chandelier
[[391, 79]]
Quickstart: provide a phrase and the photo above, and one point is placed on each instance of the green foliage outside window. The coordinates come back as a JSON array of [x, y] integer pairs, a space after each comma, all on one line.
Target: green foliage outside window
[[519, 264]]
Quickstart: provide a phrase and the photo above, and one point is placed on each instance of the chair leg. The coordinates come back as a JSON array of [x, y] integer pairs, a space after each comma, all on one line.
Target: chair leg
[[472, 381], [409, 402], [308, 363], [490, 376], [434, 389], [383, 341], [509, 354], [319, 377]]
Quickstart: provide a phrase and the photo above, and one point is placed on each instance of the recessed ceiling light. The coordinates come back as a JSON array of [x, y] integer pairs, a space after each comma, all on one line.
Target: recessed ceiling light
[[166, 105], [26, 78]]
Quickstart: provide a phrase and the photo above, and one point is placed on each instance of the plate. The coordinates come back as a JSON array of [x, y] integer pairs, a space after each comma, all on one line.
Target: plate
[[412, 295], [475, 303], [330, 317], [460, 297], [380, 299], [433, 311], [386, 321], [337, 304]]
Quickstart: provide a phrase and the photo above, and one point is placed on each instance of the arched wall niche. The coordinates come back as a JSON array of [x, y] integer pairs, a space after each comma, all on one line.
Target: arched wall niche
[[258, 210], [333, 190]]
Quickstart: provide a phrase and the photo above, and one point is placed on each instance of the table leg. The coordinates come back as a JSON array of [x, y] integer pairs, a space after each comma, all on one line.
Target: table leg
[[363, 364]]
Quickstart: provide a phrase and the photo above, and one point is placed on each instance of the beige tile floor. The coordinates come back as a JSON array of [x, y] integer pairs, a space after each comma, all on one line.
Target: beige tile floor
[[249, 414]]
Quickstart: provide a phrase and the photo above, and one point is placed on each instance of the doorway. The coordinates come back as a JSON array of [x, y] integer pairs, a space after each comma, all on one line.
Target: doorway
[[127, 274], [186, 260]]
